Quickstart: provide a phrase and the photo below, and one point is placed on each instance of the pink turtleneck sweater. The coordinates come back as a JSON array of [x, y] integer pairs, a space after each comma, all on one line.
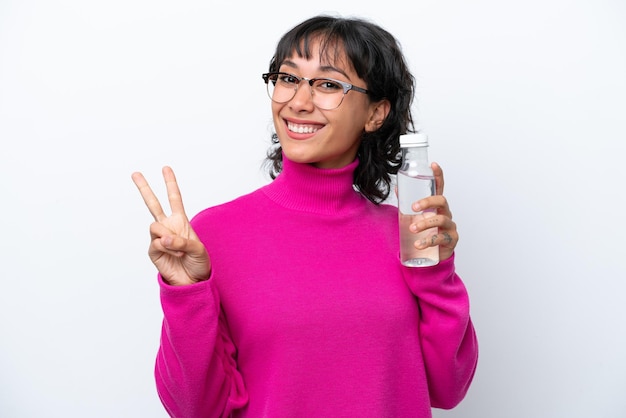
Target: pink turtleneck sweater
[[309, 313]]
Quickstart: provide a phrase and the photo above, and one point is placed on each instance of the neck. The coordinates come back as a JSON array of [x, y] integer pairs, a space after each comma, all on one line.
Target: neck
[[310, 189]]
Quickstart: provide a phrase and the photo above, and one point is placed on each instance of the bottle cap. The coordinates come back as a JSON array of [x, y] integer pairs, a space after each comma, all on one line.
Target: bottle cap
[[414, 140]]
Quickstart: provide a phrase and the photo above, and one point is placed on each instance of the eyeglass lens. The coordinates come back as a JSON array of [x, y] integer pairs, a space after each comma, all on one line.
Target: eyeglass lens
[[326, 94]]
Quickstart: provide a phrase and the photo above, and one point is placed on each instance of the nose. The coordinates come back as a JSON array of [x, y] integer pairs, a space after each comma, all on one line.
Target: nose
[[303, 99]]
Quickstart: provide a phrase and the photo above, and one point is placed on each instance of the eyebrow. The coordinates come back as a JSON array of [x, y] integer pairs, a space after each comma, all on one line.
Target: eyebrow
[[323, 68]]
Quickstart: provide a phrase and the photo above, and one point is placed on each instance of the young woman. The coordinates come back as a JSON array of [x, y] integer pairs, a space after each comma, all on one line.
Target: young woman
[[291, 301]]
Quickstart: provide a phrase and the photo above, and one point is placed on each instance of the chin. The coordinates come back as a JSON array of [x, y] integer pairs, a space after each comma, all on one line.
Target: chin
[[297, 157]]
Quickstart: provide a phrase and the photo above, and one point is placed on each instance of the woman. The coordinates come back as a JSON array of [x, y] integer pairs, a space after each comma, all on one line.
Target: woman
[[291, 301]]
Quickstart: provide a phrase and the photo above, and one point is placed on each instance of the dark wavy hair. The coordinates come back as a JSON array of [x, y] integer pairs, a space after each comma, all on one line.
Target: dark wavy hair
[[377, 58]]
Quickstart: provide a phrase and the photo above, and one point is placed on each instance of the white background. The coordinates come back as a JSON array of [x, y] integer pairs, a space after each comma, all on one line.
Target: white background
[[524, 103]]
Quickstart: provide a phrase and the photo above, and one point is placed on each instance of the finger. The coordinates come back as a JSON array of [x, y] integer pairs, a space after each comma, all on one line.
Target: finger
[[159, 246], [180, 245], [158, 230], [436, 202], [163, 240], [173, 191], [446, 239], [149, 198], [438, 174], [426, 221], [430, 220]]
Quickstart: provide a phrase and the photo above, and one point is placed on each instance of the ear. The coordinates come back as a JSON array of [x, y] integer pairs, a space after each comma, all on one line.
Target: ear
[[378, 114]]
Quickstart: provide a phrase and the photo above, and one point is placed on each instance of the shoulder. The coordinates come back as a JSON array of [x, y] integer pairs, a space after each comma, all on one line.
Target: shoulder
[[384, 210], [387, 208], [229, 209]]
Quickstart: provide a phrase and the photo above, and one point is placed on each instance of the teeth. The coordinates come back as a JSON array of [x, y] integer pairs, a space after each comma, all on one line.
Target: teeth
[[302, 129]]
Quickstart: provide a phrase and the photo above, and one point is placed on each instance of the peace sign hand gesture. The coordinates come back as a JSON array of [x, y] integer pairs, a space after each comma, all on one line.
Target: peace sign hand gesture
[[175, 249]]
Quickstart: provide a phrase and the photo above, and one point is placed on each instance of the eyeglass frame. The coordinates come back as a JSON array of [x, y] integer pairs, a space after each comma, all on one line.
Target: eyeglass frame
[[346, 86]]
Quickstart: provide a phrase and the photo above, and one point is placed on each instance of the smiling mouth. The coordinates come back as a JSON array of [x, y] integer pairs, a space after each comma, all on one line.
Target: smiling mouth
[[303, 129]]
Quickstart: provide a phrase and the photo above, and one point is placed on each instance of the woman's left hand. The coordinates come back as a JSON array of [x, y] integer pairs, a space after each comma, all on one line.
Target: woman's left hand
[[447, 235]]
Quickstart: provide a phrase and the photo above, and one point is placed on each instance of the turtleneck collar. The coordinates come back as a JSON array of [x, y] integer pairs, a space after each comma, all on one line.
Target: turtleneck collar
[[307, 188]]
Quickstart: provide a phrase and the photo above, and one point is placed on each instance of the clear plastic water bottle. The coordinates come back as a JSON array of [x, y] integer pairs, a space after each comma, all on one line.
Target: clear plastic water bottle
[[415, 181]]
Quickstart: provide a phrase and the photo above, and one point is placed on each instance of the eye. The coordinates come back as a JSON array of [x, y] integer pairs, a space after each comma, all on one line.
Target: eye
[[288, 79], [326, 85]]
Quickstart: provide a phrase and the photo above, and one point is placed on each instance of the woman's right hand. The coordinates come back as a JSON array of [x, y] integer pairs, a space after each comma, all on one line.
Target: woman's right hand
[[175, 249]]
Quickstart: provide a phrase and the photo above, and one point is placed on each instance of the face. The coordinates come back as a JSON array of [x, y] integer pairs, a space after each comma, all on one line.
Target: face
[[324, 138]]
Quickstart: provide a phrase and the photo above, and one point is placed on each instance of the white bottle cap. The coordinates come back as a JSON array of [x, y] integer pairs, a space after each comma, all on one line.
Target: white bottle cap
[[414, 140]]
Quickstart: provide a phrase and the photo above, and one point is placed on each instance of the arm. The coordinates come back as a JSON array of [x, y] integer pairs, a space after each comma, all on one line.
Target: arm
[[196, 374], [195, 371], [447, 336], [448, 339]]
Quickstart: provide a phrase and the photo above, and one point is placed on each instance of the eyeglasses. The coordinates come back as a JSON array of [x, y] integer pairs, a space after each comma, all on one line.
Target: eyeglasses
[[326, 93]]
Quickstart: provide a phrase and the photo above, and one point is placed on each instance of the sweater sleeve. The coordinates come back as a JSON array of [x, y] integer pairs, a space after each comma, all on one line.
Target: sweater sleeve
[[196, 373], [448, 338]]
